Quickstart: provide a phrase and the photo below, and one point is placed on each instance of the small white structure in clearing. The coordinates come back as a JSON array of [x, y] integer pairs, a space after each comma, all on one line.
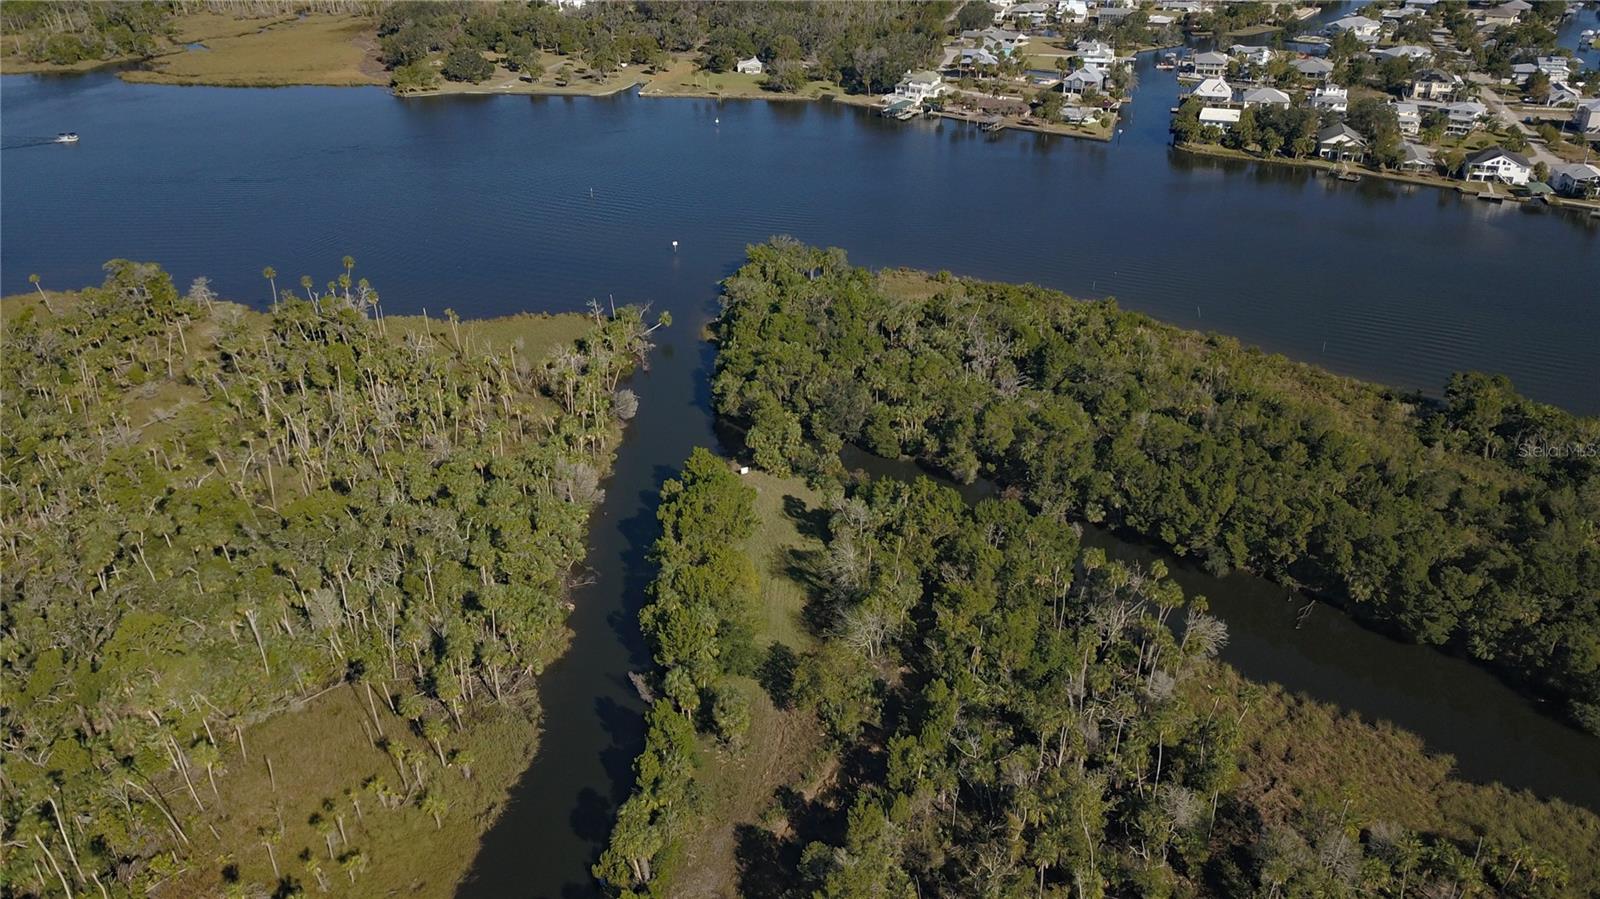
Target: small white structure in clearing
[[751, 66]]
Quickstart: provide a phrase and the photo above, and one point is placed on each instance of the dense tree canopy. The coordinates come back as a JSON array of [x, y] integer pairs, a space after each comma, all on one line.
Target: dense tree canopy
[[1009, 714], [1469, 521]]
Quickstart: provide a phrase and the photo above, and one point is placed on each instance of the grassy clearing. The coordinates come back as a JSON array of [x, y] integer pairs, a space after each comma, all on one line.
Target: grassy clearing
[[539, 333], [321, 758], [1296, 750], [737, 788], [330, 50], [683, 79]]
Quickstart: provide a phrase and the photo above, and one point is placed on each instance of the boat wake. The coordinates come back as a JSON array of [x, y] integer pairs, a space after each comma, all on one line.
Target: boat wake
[[24, 142]]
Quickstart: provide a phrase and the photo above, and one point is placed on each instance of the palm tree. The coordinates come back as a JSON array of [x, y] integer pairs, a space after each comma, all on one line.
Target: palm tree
[[353, 863], [34, 280], [271, 274], [305, 282], [434, 804]]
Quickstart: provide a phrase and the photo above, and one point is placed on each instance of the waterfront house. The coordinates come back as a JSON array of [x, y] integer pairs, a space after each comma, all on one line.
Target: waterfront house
[[1160, 20], [1415, 158], [1314, 67], [1264, 96], [1085, 79], [1340, 143], [919, 86], [1554, 66], [1251, 55], [1332, 98], [1072, 10], [1080, 115], [1366, 30], [1434, 84], [1210, 64], [1463, 117], [1586, 118], [1498, 164], [1213, 90], [1095, 53], [1576, 179], [1409, 117], [751, 66], [1226, 119]]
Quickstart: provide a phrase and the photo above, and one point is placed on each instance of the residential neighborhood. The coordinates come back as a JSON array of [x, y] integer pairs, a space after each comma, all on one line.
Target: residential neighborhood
[[1480, 94]]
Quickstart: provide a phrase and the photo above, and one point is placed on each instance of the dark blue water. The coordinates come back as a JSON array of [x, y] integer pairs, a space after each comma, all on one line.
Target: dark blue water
[[497, 204], [483, 204]]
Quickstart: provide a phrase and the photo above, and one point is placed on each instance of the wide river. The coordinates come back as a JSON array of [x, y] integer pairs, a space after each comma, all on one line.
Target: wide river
[[490, 205]]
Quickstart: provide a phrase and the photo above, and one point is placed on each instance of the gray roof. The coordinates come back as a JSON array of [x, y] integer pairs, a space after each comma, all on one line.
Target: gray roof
[[1410, 152], [1265, 95], [1211, 57], [1313, 64], [1339, 130]]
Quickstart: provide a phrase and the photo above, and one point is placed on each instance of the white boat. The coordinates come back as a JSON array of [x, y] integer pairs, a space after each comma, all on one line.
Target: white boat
[[67, 137]]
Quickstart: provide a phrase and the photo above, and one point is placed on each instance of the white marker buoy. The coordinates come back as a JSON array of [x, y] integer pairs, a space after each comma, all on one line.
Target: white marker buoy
[[674, 246]]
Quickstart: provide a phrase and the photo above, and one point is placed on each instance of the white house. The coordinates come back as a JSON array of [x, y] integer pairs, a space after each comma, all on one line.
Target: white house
[[751, 66], [996, 40], [1415, 157], [1463, 117], [977, 56], [1340, 142], [1409, 116], [1366, 30], [1226, 119], [1497, 164], [1563, 94], [1210, 64], [1576, 179], [1033, 13], [1095, 53], [1213, 90], [1072, 10], [1434, 84], [1251, 55], [1403, 51], [1264, 96], [919, 86], [1559, 68], [1331, 97], [1586, 118]]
